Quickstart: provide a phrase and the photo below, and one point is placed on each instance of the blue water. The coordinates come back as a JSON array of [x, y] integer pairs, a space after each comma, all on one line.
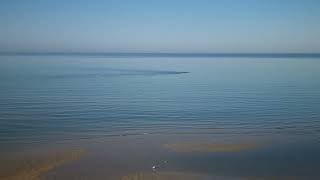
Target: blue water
[[47, 98]]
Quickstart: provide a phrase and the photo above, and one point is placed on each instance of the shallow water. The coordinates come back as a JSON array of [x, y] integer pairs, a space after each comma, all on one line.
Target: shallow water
[[127, 111]]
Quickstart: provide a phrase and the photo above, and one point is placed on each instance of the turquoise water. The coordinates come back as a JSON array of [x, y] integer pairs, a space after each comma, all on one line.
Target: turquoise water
[[51, 99]]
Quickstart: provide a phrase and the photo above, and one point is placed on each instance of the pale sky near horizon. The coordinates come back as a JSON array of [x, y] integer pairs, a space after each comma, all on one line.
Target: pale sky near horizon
[[160, 25]]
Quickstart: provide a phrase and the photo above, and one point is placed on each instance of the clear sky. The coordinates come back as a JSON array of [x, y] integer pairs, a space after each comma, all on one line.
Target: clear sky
[[160, 25]]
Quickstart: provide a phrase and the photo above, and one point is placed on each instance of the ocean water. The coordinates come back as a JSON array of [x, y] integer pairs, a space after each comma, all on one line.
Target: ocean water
[[129, 111]]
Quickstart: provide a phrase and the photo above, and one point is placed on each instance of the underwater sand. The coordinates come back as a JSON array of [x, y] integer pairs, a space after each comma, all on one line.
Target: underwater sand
[[34, 169], [208, 147], [169, 176]]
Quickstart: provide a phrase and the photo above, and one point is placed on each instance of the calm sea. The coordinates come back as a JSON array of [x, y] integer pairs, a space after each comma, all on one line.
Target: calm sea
[[144, 102]]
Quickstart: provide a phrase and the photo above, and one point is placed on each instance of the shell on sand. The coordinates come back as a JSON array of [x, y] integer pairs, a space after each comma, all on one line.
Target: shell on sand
[[210, 147], [34, 171]]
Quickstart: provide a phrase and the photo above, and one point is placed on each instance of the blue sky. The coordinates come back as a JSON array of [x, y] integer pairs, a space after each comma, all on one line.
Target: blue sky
[[160, 25]]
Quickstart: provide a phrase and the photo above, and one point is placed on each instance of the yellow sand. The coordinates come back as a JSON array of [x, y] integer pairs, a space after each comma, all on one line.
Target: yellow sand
[[34, 171], [209, 147]]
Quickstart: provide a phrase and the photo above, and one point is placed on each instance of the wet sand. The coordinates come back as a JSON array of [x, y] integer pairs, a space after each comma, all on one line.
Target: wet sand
[[34, 169], [166, 176], [180, 157]]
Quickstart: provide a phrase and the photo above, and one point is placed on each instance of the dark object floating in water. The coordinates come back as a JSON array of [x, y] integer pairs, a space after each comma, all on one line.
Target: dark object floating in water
[[109, 72], [171, 72]]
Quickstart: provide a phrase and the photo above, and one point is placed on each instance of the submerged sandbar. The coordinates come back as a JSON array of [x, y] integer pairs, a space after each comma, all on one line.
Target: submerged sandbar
[[34, 170], [210, 147]]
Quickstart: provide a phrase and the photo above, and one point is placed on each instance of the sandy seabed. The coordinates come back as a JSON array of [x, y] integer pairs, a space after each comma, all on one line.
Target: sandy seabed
[[34, 170]]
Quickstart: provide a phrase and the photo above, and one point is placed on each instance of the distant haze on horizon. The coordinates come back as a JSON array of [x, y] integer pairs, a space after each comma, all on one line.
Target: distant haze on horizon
[[219, 26]]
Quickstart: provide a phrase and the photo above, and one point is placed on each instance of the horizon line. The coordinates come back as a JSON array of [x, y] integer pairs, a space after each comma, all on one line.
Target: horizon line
[[170, 54]]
